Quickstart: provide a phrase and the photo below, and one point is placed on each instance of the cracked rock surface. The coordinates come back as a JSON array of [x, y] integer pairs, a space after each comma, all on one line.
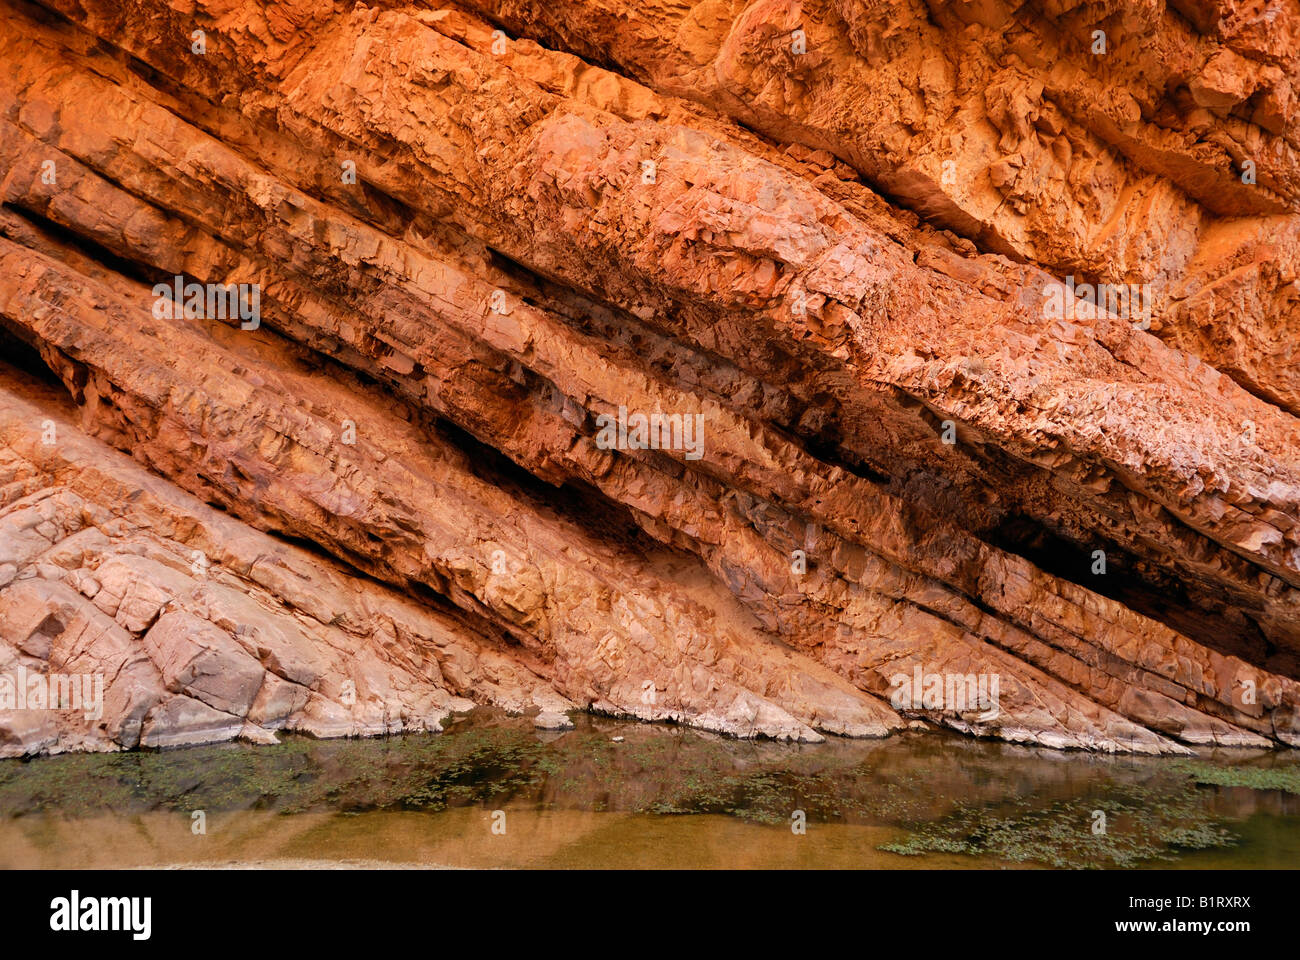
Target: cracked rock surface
[[825, 232]]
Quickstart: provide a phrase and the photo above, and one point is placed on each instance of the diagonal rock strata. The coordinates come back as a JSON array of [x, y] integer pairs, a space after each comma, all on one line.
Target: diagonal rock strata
[[504, 270]]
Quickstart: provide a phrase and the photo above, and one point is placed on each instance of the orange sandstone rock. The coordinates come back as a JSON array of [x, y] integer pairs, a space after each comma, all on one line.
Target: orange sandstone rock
[[785, 369]]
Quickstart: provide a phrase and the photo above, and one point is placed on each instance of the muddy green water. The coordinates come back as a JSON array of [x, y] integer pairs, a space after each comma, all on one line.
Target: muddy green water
[[494, 792]]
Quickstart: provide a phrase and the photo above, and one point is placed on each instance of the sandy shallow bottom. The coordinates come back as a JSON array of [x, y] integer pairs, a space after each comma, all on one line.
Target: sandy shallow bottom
[[458, 838], [298, 864]]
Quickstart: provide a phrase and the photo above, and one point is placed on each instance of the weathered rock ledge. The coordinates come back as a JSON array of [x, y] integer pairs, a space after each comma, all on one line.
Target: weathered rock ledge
[[823, 232]]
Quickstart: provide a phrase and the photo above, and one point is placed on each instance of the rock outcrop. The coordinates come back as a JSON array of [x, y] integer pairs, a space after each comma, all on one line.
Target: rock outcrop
[[333, 336]]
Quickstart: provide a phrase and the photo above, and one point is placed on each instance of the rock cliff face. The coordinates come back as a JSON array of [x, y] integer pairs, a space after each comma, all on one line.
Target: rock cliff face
[[333, 335]]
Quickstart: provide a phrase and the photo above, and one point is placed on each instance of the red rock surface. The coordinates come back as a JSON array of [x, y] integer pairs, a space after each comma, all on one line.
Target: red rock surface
[[824, 228]]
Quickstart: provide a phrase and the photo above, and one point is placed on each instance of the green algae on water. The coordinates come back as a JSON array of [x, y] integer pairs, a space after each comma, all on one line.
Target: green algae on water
[[1286, 779], [1117, 829], [918, 794]]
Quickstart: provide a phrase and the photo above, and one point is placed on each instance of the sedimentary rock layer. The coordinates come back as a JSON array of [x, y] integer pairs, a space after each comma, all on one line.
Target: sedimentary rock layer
[[821, 233]]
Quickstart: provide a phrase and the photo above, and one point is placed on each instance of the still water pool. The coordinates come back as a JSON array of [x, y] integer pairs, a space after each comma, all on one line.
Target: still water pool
[[492, 791]]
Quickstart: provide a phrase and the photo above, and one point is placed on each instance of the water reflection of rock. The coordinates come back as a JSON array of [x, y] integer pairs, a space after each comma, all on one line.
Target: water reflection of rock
[[490, 758]]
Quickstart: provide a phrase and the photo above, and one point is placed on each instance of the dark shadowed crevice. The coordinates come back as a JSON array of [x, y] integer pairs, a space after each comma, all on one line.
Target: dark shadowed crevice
[[17, 352], [575, 501], [87, 247], [1166, 602]]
